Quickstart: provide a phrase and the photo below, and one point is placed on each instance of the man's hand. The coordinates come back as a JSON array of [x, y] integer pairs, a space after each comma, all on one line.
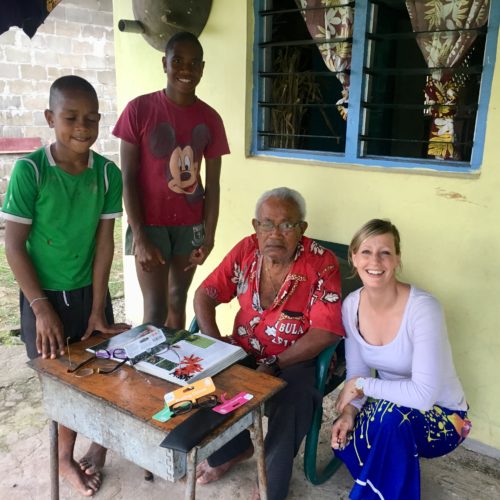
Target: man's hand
[[266, 369], [342, 427], [49, 330], [147, 254]]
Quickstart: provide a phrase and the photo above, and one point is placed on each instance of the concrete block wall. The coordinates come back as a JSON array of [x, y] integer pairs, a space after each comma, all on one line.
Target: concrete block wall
[[76, 38]]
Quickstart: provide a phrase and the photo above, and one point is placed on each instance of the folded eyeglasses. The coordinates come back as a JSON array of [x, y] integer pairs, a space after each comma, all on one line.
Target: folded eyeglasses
[[118, 353]]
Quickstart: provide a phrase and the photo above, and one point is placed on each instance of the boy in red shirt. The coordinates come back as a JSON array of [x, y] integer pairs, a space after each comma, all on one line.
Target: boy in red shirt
[[172, 218]]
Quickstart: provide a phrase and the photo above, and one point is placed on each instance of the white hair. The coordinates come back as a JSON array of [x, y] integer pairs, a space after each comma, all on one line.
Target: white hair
[[286, 194]]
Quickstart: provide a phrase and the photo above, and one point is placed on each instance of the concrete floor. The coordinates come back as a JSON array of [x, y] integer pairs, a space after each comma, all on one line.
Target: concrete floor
[[24, 451]]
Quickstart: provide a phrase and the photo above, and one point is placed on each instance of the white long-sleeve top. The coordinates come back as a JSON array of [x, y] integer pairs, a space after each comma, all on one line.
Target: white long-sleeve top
[[416, 368]]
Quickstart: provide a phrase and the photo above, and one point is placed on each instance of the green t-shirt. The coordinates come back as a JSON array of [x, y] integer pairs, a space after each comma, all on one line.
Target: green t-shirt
[[64, 211]]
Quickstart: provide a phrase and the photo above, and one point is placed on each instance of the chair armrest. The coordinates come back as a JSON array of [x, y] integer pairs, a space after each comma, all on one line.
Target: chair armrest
[[311, 446], [325, 381], [194, 327], [323, 365]]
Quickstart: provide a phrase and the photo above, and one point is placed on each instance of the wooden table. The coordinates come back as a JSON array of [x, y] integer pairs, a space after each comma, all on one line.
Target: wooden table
[[115, 411]]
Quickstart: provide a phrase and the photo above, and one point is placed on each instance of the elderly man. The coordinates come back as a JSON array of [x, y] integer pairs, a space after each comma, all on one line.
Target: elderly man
[[288, 288]]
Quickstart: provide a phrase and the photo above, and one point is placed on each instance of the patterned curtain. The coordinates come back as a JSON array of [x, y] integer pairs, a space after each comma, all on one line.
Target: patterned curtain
[[332, 19], [445, 49]]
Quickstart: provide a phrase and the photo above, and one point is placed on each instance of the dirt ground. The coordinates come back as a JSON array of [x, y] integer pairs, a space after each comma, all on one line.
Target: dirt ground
[[24, 452]]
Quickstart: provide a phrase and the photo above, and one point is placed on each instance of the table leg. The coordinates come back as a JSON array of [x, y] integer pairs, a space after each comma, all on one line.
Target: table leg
[[259, 447], [54, 460], [191, 474]]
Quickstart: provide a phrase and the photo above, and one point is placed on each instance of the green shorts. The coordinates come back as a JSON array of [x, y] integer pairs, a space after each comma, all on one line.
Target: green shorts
[[171, 240]]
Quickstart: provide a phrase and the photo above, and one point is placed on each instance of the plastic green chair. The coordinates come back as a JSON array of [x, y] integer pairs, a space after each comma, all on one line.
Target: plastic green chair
[[326, 381]]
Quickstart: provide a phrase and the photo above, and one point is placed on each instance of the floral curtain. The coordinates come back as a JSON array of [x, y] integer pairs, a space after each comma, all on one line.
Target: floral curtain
[[444, 49], [332, 19]]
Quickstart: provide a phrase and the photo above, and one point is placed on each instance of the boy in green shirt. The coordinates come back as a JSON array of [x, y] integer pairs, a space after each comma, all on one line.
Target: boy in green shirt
[[60, 209]]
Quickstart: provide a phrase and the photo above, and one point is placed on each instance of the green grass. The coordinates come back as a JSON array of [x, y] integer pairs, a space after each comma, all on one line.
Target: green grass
[[116, 276], [9, 292], [9, 296]]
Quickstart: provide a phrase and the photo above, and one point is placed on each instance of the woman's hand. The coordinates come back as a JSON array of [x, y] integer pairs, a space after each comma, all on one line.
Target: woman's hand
[[347, 394], [342, 427]]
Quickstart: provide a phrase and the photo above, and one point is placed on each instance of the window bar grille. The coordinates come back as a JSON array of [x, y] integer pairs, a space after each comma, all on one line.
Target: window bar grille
[[371, 71], [271, 18], [266, 83], [272, 12]]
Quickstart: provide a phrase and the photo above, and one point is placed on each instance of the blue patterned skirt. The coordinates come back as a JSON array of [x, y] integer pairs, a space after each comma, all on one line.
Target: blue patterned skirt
[[383, 450]]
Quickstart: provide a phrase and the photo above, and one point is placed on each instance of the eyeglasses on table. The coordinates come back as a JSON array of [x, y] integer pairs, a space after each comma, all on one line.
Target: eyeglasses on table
[[118, 353], [182, 407]]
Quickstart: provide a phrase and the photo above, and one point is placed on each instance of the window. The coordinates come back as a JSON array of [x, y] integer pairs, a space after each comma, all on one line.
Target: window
[[376, 82]]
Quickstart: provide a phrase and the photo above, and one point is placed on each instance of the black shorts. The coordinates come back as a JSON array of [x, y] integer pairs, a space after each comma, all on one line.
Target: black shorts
[[171, 240], [73, 307]]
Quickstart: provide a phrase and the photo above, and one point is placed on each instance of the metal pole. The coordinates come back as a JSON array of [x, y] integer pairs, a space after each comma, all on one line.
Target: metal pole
[[259, 447], [129, 26], [191, 474], [54, 460]]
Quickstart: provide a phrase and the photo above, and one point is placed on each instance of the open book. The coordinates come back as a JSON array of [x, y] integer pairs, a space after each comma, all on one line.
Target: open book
[[178, 356]]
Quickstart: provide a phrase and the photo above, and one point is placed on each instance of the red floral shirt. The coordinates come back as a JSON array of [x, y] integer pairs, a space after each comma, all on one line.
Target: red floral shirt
[[309, 297]]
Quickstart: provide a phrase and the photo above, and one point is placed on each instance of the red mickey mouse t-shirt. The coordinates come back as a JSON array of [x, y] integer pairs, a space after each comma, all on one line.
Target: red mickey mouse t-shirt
[[173, 140]]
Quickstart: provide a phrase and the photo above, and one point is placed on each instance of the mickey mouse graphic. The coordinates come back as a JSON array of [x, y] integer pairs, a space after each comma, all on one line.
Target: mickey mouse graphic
[[183, 161], [184, 170]]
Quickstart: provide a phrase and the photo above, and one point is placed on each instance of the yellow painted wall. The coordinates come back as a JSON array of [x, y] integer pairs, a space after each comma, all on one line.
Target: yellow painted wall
[[449, 225]]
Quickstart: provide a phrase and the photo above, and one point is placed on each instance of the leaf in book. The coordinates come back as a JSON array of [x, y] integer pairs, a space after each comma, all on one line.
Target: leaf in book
[[189, 366], [174, 335]]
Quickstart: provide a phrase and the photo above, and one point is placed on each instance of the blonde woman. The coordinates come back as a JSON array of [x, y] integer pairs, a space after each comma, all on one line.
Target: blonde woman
[[415, 406]]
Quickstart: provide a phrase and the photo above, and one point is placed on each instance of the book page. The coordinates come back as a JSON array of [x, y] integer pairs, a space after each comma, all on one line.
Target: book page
[[178, 356], [190, 357], [135, 341]]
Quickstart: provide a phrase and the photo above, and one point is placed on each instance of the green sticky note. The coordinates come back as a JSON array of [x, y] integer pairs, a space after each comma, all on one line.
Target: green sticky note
[[163, 415], [201, 342]]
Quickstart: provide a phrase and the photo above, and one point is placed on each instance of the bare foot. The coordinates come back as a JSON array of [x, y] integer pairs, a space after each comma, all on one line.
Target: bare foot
[[206, 474], [93, 461], [256, 493], [83, 483], [201, 468]]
